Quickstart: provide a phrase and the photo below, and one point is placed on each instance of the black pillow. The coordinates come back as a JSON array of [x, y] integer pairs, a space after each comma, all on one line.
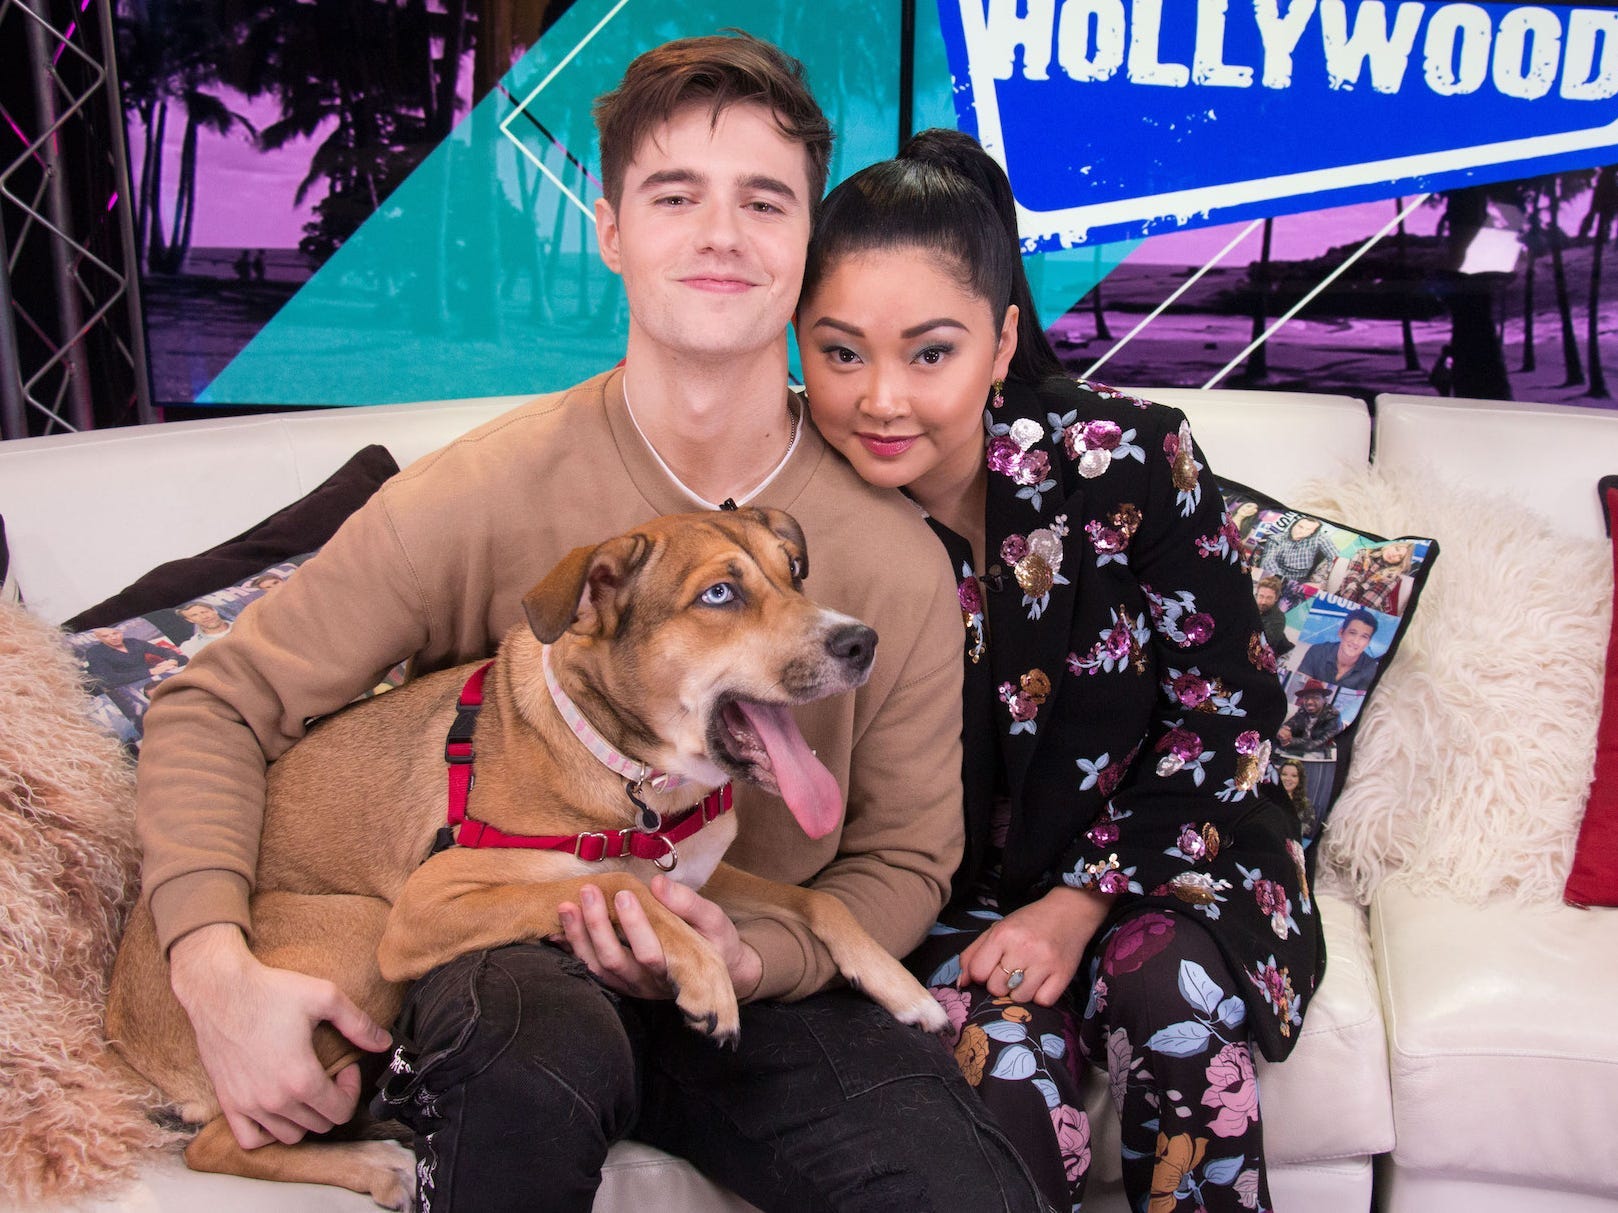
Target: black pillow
[[1329, 589], [299, 528], [9, 592]]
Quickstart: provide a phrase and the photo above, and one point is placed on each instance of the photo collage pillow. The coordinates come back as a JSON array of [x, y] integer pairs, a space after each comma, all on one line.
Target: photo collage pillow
[[126, 661], [1334, 603], [150, 630]]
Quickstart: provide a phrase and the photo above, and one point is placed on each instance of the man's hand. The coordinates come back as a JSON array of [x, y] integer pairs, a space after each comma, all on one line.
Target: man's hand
[[1284, 735], [1045, 939], [641, 971], [254, 1026]]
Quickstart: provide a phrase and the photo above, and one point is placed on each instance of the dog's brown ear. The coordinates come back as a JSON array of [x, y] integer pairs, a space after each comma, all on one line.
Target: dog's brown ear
[[785, 527], [587, 589]]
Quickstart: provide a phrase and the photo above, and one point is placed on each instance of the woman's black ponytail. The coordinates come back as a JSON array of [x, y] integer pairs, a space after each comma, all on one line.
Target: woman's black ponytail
[[1035, 359], [943, 193]]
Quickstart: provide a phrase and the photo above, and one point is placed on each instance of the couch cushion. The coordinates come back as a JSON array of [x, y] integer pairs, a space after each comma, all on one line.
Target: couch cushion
[[1274, 441], [1543, 457], [88, 513], [1500, 1030]]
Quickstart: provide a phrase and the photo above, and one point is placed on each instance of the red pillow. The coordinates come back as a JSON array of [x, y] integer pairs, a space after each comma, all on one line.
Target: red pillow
[[1594, 878]]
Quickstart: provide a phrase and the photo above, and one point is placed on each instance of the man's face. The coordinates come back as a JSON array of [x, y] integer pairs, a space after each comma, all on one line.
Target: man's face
[[200, 614], [710, 233], [1265, 597], [1311, 702], [1353, 638], [109, 636]]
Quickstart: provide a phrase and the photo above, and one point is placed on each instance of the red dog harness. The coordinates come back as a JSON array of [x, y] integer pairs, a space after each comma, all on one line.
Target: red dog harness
[[651, 838]]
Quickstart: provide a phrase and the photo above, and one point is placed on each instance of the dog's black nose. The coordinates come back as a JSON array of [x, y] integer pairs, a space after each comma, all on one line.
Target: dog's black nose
[[853, 643]]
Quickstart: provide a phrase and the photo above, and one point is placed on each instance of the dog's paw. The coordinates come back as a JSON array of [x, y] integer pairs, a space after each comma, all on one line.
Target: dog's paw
[[708, 1000], [721, 1023], [902, 996], [924, 1013], [710, 1025], [393, 1174]]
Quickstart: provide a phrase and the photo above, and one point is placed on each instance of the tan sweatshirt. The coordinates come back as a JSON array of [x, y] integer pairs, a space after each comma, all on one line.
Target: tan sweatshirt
[[433, 569]]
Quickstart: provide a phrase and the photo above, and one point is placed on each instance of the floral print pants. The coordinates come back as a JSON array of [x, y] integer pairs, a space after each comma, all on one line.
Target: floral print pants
[[1164, 1021]]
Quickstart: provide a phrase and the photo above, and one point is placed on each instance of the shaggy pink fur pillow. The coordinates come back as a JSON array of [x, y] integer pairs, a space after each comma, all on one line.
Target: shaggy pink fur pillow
[[72, 1121]]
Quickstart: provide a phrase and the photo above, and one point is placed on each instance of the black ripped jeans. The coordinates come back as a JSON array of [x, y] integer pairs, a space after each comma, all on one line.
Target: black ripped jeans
[[516, 1070]]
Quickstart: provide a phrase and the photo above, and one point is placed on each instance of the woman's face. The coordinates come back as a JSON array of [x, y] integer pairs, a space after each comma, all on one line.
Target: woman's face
[[898, 358], [1394, 554], [1289, 779]]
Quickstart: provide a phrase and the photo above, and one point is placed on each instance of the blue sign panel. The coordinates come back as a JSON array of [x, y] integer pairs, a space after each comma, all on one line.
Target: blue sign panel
[[1123, 118]]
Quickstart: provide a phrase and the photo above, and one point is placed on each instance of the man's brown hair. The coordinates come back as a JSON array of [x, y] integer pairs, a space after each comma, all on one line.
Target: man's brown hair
[[716, 70]]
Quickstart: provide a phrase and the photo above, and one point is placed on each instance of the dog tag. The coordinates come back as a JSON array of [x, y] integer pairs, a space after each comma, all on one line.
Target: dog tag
[[647, 819]]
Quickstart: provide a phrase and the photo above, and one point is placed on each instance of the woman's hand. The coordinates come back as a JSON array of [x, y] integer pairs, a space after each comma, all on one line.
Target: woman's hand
[[1045, 939]]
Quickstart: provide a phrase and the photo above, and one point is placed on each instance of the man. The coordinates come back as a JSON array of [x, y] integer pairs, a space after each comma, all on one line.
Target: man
[[1267, 594], [1301, 552], [1345, 663], [124, 668], [516, 1068], [119, 660], [208, 624], [1313, 727]]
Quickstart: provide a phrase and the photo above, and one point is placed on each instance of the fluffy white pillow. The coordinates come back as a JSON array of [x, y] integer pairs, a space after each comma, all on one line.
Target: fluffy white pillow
[[1474, 758]]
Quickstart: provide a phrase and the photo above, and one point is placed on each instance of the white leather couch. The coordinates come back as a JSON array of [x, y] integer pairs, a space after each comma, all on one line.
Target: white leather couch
[[1331, 1112], [1503, 1053]]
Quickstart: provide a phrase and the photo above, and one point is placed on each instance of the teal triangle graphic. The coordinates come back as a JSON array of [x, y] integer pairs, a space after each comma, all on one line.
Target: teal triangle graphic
[[479, 275]]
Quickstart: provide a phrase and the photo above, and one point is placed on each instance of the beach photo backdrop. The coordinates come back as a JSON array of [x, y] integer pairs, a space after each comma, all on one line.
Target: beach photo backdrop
[[361, 201]]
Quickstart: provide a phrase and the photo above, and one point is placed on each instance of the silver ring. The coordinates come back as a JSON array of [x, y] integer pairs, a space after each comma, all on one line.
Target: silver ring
[[1013, 977]]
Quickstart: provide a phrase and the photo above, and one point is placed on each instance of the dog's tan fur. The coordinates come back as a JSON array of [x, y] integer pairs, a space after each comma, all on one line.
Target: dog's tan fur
[[342, 891]]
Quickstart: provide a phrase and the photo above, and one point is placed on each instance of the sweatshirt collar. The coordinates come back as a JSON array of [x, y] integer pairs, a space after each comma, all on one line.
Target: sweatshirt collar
[[667, 495]]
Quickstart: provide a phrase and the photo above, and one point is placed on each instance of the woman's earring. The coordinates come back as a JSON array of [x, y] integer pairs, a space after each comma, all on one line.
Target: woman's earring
[[999, 393]]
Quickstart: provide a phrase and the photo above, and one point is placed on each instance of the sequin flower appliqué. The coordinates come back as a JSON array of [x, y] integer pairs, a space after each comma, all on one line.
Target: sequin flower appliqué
[[1012, 453], [1036, 562], [970, 595], [1185, 469]]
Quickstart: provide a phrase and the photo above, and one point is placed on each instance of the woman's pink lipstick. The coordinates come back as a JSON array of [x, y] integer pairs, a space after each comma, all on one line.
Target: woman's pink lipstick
[[885, 446]]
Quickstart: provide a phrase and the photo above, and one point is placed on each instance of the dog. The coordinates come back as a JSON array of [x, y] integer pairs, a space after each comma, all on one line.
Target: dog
[[655, 668]]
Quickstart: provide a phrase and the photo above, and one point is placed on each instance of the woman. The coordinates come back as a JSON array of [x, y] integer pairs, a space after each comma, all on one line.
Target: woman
[[1290, 776], [1375, 575], [1244, 517], [1129, 892]]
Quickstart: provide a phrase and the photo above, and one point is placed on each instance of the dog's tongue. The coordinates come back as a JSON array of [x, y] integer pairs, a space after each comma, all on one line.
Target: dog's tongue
[[808, 788]]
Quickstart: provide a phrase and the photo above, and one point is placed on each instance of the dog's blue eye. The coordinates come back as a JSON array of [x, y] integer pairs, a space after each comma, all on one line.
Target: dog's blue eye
[[719, 595]]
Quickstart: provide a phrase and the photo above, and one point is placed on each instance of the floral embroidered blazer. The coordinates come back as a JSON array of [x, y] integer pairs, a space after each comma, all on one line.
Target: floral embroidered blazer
[[1121, 694]]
